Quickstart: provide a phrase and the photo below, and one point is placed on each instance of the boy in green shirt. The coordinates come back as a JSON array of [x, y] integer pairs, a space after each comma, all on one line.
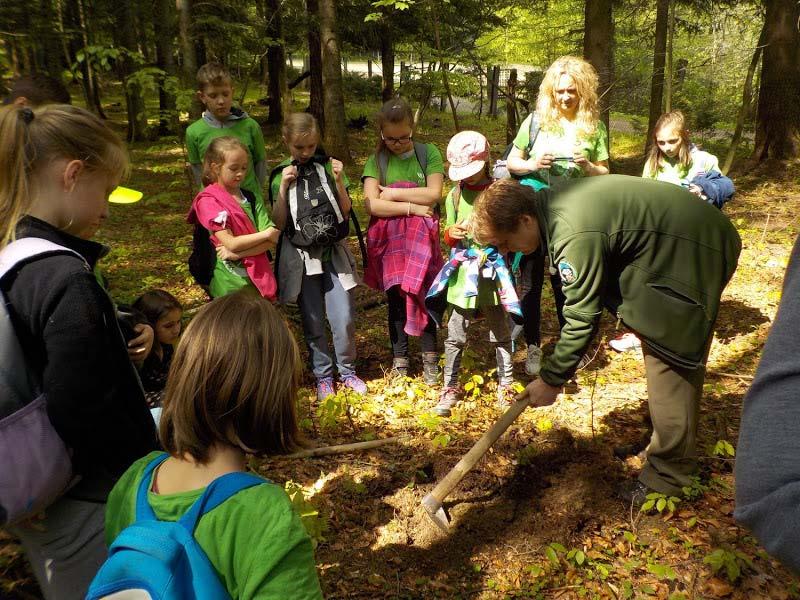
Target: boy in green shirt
[[215, 90]]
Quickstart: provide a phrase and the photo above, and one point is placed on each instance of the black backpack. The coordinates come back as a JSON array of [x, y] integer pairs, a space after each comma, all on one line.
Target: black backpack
[[203, 257], [314, 217], [382, 160]]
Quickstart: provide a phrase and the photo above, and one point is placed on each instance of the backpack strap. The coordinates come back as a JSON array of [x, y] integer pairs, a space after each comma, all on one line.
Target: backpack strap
[[272, 175], [24, 249], [533, 132], [456, 199], [251, 200], [421, 152], [360, 237], [217, 492], [382, 160], [144, 512]]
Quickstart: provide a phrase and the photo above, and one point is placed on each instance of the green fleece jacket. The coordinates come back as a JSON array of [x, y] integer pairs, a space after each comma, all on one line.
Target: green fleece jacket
[[652, 253]]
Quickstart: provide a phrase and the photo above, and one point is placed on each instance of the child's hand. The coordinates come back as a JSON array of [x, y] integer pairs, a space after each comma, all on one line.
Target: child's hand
[[695, 189], [224, 254], [139, 347], [338, 168], [288, 176], [421, 210], [458, 231], [386, 193], [580, 159], [543, 162]]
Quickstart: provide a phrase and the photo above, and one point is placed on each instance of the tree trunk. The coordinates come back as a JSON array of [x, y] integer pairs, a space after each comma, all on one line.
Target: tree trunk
[[445, 80], [668, 78], [189, 65], [165, 29], [747, 100], [315, 104], [276, 63], [657, 80], [125, 37], [511, 107], [778, 117], [598, 49], [76, 18], [387, 64], [335, 121]]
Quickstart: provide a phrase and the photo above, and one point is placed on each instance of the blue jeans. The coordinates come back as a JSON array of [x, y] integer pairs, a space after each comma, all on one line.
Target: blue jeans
[[322, 296]]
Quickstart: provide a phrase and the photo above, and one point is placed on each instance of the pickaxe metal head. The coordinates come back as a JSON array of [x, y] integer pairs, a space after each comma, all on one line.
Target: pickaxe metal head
[[436, 512]]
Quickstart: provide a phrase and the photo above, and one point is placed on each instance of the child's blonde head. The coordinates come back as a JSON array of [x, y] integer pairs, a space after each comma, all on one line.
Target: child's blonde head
[[299, 125], [676, 121], [215, 156], [233, 381], [31, 139], [586, 81], [212, 74]]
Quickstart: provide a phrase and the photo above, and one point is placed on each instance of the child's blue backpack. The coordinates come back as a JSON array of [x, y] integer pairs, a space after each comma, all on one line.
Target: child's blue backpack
[[161, 560]]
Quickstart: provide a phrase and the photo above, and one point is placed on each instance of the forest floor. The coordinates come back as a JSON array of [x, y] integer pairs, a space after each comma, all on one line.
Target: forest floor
[[537, 517]]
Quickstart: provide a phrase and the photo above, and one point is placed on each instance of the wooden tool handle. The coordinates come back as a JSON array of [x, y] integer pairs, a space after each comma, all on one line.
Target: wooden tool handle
[[464, 466]]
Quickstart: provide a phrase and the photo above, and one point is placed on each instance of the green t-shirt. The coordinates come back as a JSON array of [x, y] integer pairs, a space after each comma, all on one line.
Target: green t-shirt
[[674, 172], [255, 541], [487, 292], [407, 168], [231, 276], [562, 142], [200, 134], [275, 187]]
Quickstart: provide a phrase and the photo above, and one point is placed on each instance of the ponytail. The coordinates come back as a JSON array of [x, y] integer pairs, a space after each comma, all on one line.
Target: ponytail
[[14, 194], [31, 139]]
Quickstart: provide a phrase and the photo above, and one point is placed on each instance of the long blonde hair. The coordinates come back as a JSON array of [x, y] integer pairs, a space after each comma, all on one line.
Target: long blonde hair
[[233, 381], [675, 119], [31, 139], [586, 82]]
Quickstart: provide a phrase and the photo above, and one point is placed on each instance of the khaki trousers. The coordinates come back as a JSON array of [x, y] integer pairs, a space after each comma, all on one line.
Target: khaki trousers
[[674, 401]]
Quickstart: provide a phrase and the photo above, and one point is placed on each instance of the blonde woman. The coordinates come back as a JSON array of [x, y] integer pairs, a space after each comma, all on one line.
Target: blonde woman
[[562, 139]]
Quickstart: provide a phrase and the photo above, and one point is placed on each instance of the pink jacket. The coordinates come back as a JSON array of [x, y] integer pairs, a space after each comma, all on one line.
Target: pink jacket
[[215, 209]]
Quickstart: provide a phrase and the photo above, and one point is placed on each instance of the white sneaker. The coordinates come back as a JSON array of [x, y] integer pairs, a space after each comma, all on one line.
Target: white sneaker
[[625, 342], [533, 364]]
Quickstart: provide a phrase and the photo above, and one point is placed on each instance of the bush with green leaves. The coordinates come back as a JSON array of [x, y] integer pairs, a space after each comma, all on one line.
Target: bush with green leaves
[[360, 87]]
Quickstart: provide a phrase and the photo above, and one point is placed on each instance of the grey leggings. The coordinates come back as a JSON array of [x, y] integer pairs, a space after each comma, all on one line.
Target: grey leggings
[[499, 335]]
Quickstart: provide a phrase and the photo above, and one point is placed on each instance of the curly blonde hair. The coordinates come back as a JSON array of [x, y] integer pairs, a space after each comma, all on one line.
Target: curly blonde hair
[[586, 83]]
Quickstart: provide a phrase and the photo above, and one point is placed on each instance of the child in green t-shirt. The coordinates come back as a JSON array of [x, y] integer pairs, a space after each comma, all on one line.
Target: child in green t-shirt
[[231, 393], [402, 187], [468, 155], [215, 90], [321, 276]]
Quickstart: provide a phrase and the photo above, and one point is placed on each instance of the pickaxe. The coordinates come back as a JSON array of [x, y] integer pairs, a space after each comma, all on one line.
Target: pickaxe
[[433, 501]]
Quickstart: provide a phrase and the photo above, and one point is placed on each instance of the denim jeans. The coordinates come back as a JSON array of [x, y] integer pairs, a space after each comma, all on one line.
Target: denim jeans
[[530, 291], [322, 296], [499, 335]]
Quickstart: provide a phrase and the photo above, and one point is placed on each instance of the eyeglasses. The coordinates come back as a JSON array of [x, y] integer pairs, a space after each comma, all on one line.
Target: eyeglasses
[[394, 140]]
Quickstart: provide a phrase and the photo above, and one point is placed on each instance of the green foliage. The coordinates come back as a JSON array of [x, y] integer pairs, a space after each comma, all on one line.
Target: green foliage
[[659, 502], [360, 87], [696, 489], [723, 448], [732, 561], [316, 525]]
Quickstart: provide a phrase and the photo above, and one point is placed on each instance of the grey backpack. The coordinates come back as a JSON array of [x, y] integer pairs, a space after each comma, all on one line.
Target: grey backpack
[[36, 464]]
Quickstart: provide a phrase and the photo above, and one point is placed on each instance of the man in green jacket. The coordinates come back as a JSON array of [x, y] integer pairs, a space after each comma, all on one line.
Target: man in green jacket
[[654, 255]]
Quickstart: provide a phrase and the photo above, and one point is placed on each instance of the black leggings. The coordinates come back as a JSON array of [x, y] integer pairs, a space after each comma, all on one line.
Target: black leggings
[[532, 265], [397, 323]]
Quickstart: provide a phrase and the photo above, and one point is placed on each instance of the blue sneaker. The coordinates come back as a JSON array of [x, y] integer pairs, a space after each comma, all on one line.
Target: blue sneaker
[[325, 388], [355, 383]]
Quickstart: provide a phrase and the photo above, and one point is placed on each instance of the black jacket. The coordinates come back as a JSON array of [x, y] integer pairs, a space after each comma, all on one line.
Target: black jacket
[[67, 325]]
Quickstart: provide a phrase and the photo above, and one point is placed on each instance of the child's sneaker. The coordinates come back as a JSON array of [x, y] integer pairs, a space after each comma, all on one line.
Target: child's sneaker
[[355, 383], [533, 364], [505, 396], [325, 388], [447, 400], [626, 342]]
